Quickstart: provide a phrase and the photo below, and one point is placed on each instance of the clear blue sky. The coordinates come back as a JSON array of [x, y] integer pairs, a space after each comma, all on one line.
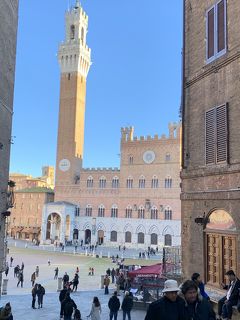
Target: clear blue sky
[[135, 78]]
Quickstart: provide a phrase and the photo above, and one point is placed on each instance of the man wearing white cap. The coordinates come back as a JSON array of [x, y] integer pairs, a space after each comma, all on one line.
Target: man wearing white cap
[[169, 307]]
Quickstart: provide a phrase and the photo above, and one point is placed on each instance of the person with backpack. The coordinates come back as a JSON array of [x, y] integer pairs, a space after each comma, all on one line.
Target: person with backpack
[[40, 294], [127, 305], [113, 305], [68, 305]]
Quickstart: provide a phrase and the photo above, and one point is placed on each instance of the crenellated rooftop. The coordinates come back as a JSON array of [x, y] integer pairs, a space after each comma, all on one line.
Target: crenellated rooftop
[[101, 169], [173, 129]]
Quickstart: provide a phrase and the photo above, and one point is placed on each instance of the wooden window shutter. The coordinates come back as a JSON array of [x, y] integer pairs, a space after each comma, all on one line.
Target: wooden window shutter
[[210, 33], [222, 133], [221, 26], [210, 136]]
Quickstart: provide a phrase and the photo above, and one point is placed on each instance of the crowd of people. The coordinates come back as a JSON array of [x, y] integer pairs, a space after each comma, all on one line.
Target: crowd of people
[[191, 302]]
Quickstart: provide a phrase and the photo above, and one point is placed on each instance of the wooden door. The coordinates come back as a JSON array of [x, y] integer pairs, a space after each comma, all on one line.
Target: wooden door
[[221, 256]]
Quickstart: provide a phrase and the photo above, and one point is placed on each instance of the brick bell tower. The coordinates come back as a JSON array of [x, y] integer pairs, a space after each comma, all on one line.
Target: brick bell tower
[[74, 58]]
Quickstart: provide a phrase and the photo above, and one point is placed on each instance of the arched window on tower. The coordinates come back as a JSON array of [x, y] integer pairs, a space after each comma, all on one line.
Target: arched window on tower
[[72, 32]]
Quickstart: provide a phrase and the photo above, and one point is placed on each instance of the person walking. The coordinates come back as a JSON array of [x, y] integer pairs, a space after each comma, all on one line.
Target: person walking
[[95, 310], [127, 305], [49, 262], [68, 305], [56, 273], [22, 267], [33, 278], [37, 271], [113, 305], [62, 296], [226, 303], [106, 283], [170, 306], [6, 270], [40, 294], [75, 282], [65, 279], [20, 278], [196, 307], [113, 273], [34, 294], [11, 261], [16, 271]]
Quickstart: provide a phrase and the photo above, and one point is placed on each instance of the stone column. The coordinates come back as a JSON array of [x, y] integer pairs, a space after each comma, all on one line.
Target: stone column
[[63, 230]]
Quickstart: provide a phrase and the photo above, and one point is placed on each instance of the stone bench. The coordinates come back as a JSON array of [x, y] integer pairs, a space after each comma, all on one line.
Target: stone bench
[[215, 295]]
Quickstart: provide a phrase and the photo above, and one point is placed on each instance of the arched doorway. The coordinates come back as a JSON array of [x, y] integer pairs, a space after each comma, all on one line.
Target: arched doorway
[[88, 236], [75, 234], [100, 236], [53, 227], [220, 247]]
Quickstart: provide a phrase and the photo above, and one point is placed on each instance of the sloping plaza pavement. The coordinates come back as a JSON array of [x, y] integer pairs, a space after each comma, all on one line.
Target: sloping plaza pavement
[[20, 298], [21, 306]]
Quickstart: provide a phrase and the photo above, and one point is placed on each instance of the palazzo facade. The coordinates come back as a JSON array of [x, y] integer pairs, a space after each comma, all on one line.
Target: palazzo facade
[[137, 204]]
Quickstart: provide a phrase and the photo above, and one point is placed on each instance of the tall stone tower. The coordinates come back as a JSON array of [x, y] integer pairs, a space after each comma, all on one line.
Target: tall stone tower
[[74, 58]]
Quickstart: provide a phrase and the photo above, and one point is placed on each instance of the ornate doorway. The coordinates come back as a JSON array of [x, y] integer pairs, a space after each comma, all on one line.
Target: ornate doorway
[[100, 236], [220, 247], [87, 236]]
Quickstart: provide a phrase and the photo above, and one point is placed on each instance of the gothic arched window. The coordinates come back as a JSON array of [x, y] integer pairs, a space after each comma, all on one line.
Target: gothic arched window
[[154, 213], [114, 211], [141, 212], [129, 212], [113, 236], [140, 237], [101, 210]]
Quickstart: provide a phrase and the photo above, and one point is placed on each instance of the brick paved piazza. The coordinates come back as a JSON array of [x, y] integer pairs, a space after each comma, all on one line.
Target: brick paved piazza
[[20, 298]]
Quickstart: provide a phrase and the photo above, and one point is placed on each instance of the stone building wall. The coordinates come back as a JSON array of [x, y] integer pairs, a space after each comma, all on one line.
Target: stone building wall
[[208, 85], [8, 34]]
